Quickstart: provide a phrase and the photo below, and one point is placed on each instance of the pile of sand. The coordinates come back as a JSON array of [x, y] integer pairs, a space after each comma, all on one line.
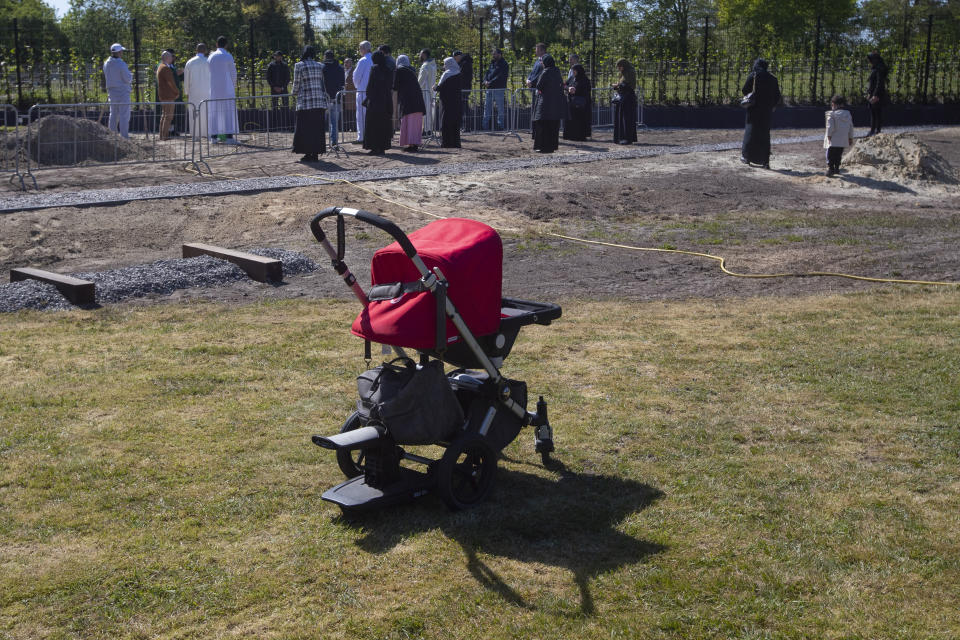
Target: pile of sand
[[63, 140], [901, 156]]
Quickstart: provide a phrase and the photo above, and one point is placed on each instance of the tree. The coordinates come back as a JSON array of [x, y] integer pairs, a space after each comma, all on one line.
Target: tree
[[37, 27], [774, 26], [309, 6]]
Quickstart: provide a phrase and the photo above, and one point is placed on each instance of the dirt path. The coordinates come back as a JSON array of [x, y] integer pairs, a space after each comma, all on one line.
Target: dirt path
[[792, 218]]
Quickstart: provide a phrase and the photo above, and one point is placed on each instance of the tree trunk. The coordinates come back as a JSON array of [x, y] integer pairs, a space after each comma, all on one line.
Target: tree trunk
[[513, 25], [307, 29], [500, 23]]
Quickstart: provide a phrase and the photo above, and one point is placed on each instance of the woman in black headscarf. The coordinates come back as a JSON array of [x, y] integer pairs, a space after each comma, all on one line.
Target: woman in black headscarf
[[625, 104], [309, 129], [451, 107], [577, 126], [378, 129], [550, 109], [756, 132], [876, 91]]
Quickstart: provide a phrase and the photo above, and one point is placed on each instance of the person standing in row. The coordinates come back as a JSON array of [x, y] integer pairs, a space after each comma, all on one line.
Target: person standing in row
[[411, 105], [465, 62], [223, 121], [349, 105], [756, 132], [577, 125], [876, 91], [167, 92], [361, 75], [550, 108], [378, 128], [391, 63], [119, 80], [540, 50], [311, 95], [334, 79], [574, 60], [450, 104], [625, 104], [278, 77], [196, 84], [496, 84], [427, 79]]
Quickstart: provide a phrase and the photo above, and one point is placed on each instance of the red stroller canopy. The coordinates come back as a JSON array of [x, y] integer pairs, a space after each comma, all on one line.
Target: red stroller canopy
[[469, 254]]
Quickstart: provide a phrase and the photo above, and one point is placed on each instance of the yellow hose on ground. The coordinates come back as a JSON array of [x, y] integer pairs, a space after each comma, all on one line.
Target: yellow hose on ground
[[720, 259]]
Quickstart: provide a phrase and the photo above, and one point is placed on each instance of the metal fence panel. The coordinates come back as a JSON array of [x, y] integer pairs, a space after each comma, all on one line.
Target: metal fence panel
[[229, 126], [10, 149], [70, 135]]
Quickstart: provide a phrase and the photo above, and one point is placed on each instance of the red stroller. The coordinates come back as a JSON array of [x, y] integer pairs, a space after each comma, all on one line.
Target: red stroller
[[438, 292]]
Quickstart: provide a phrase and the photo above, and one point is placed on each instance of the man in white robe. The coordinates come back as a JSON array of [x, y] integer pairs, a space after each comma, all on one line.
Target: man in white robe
[[119, 79], [196, 85], [428, 79], [361, 75], [223, 81]]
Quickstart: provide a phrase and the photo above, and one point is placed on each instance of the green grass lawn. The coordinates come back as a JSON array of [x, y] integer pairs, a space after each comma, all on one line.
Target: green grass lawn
[[762, 468]]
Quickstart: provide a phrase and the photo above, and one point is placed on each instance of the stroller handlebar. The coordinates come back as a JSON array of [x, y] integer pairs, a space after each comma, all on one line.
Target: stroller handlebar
[[364, 216]]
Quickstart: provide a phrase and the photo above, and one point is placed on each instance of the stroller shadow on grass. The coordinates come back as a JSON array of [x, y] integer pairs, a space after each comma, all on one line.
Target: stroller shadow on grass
[[570, 521]]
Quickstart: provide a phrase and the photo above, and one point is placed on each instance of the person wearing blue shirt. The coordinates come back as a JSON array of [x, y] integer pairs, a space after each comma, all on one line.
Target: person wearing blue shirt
[[496, 84]]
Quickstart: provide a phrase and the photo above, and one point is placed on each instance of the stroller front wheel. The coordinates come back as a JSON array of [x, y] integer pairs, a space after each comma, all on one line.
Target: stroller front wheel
[[351, 462], [466, 472]]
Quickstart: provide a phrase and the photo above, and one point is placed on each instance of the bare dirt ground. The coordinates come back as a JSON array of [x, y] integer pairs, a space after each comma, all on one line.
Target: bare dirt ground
[[869, 221]]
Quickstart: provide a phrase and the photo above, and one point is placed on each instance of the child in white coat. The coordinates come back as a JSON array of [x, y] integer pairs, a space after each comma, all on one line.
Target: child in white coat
[[839, 133]]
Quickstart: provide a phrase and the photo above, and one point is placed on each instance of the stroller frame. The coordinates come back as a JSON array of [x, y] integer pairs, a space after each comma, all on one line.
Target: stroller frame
[[463, 476]]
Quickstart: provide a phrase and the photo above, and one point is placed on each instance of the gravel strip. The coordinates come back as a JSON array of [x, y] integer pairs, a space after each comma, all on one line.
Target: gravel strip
[[156, 278], [225, 187]]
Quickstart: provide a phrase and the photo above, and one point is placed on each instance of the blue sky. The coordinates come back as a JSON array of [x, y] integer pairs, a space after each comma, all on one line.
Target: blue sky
[[62, 6]]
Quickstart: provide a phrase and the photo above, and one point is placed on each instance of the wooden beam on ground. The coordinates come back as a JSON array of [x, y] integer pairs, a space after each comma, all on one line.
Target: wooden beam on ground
[[257, 267], [73, 289]]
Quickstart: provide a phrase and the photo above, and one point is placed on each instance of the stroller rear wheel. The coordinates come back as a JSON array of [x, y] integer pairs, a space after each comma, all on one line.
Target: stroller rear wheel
[[351, 462], [466, 472]]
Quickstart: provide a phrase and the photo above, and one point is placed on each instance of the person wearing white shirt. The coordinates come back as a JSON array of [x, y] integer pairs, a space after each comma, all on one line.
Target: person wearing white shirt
[[118, 79], [223, 121], [196, 84], [427, 79], [361, 75]]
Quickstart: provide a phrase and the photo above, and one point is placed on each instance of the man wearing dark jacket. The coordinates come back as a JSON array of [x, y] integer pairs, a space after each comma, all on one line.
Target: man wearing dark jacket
[[278, 77], [496, 84]]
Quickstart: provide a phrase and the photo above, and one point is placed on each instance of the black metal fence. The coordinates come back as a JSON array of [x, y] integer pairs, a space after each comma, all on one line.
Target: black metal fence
[[32, 70]]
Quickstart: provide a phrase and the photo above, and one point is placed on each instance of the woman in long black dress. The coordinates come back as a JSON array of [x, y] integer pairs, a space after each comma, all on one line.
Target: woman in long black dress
[[411, 104], [309, 129], [577, 126], [625, 104], [378, 129], [876, 91], [550, 108], [756, 132], [451, 107]]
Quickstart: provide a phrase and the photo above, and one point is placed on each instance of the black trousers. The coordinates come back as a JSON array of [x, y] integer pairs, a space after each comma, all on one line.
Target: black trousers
[[876, 120], [834, 155]]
